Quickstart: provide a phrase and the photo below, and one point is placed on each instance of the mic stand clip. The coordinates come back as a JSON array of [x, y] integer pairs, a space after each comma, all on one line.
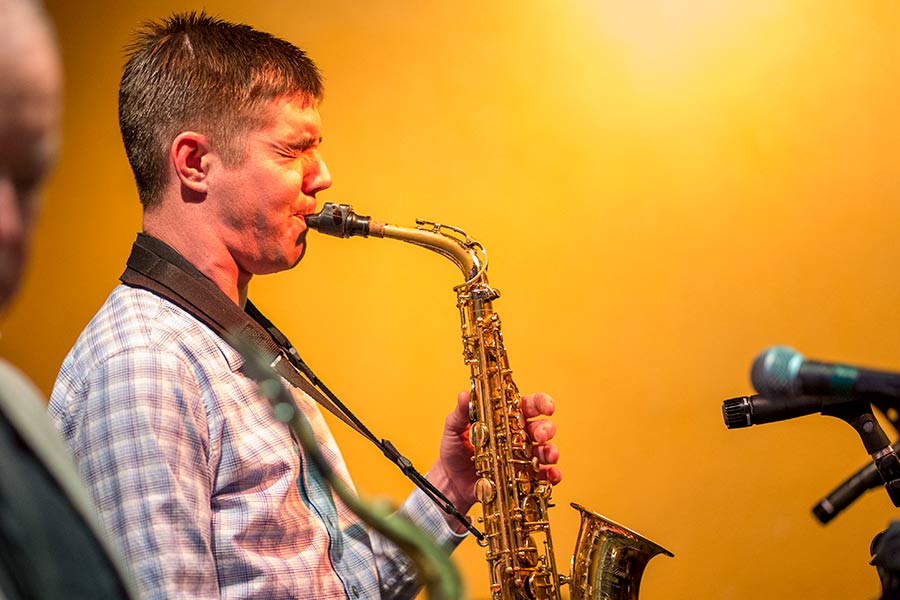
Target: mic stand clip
[[858, 414]]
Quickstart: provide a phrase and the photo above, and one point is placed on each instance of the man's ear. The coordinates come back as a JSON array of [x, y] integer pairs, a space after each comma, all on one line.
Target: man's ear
[[190, 155]]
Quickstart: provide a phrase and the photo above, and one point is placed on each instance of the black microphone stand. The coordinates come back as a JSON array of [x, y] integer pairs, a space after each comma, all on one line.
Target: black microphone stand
[[885, 546], [859, 416], [784, 374], [866, 478]]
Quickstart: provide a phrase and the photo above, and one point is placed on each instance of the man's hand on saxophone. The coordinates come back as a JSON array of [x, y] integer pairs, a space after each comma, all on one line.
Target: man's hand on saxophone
[[536, 409], [454, 472]]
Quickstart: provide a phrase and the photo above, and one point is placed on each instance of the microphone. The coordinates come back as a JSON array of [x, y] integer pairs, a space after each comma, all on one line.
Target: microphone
[[847, 492], [745, 411], [781, 372]]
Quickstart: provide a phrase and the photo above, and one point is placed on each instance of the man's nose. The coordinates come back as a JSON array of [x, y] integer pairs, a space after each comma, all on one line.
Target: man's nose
[[319, 180]]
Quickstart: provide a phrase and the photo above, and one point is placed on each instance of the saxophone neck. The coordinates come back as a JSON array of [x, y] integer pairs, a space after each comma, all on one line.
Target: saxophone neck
[[452, 243]]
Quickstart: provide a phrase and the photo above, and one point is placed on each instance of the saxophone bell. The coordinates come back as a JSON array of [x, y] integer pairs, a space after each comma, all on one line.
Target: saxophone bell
[[609, 559]]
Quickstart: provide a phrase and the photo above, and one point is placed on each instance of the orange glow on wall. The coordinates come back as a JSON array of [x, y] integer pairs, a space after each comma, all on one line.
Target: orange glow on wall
[[664, 189]]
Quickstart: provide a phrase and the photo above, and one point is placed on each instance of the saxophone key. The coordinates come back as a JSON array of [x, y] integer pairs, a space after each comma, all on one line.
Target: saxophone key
[[484, 490], [478, 435]]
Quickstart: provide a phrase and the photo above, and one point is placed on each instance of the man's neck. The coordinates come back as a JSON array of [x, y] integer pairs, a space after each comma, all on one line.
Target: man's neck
[[204, 250]]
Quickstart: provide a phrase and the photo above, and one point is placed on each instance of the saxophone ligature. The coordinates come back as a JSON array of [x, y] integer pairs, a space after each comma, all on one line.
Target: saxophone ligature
[[609, 559]]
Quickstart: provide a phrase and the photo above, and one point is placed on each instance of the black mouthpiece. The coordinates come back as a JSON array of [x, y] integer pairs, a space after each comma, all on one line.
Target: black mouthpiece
[[338, 220]]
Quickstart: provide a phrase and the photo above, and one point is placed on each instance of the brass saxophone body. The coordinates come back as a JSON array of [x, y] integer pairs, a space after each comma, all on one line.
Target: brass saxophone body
[[609, 559]]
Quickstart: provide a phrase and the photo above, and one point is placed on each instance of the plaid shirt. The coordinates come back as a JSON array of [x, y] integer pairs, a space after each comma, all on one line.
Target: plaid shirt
[[203, 489]]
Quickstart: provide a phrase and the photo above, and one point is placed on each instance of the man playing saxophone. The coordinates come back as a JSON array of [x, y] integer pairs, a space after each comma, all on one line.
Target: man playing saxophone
[[206, 493]]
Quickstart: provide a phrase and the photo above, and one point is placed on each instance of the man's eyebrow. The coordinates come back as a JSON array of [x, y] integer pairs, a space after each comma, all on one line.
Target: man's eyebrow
[[304, 144]]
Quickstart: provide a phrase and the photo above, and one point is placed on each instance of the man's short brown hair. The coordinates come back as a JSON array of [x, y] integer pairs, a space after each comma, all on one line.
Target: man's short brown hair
[[193, 72]]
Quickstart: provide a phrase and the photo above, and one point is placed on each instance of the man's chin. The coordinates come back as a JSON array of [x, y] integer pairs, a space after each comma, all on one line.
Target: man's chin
[[285, 263], [277, 265]]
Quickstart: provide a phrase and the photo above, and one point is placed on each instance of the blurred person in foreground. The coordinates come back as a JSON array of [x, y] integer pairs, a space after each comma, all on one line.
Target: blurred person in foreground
[[50, 543], [205, 490]]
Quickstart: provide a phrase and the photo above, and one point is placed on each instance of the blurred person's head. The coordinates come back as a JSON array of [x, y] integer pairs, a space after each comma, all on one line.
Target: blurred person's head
[[30, 107]]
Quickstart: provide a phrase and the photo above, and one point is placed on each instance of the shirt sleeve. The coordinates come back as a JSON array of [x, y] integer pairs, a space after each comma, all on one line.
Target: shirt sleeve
[[142, 443], [396, 571]]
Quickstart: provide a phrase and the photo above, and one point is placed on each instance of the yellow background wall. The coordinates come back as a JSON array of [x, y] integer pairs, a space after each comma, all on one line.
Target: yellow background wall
[[664, 188]]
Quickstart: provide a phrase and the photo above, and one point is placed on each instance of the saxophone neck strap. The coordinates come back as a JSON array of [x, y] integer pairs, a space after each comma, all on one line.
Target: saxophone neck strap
[[158, 268]]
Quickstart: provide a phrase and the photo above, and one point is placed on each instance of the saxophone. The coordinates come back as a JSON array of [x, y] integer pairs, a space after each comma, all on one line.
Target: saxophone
[[609, 559]]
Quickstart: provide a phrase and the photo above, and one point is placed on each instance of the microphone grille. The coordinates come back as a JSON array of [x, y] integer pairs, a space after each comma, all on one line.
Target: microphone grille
[[774, 371], [737, 412]]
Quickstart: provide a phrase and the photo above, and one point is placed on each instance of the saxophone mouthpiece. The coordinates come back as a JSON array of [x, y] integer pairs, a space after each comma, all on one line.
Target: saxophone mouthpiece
[[338, 220]]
